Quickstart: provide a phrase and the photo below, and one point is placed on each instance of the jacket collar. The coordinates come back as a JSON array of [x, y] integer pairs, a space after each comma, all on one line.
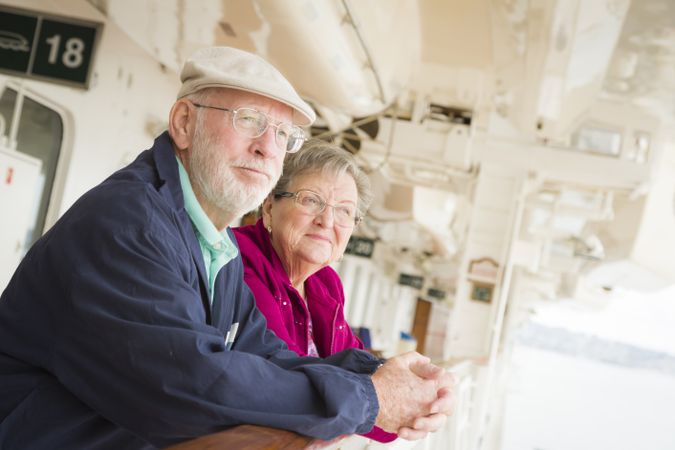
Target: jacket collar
[[262, 237], [170, 189], [167, 171]]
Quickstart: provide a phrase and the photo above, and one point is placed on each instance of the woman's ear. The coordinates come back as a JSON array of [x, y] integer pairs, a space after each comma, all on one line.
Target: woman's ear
[[267, 211], [182, 120]]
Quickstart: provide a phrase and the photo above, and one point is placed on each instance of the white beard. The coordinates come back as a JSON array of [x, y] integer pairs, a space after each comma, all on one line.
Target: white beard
[[217, 182]]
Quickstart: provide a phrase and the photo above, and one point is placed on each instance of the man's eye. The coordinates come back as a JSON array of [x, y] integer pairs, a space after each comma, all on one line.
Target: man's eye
[[282, 134], [247, 119]]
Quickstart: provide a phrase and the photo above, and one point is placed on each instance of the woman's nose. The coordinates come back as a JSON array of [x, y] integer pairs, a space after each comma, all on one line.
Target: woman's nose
[[326, 217]]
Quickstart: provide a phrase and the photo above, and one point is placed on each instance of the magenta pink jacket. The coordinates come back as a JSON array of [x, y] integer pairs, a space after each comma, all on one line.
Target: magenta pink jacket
[[287, 313]]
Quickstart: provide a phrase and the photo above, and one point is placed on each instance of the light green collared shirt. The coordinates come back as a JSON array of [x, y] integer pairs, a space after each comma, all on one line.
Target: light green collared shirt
[[217, 247]]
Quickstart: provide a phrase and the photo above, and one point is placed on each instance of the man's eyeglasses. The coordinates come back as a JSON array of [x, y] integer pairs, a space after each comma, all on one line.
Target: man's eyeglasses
[[252, 123], [312, 203]]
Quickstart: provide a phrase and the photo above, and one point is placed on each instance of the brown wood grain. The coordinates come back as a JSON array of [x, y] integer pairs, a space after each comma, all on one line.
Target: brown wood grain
[[247, 437]]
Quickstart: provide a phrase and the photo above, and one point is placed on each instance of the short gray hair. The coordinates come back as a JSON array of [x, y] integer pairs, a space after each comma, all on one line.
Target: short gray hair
[[202, 96], [318, 156]]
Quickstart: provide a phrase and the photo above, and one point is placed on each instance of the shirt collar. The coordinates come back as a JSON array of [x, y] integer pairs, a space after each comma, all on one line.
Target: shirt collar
[[208, 234]]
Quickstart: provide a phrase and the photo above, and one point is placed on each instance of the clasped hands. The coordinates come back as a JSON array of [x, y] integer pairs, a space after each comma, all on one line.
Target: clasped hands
[[415, 396]]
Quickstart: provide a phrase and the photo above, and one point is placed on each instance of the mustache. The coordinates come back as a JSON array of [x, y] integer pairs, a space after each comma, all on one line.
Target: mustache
[[258, 165]]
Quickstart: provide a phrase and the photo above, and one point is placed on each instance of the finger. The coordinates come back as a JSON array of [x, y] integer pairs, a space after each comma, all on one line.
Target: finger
[[445, 392], [410, 434], [414, 358], [445, 402], [448, 379], [430, 423], [427, 371]]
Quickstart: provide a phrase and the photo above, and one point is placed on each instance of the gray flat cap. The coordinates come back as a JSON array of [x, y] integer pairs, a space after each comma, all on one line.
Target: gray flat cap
[[236, 69]]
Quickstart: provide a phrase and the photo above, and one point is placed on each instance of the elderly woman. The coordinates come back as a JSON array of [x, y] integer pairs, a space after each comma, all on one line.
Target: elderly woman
[[306, 222]]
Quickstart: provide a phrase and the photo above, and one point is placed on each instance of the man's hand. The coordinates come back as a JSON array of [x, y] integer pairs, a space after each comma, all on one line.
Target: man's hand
[[415, 396], [434, 421], [440, 409]]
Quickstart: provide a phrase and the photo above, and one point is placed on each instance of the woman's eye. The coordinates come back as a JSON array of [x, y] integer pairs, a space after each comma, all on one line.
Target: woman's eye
[[346, 212], [312, 201]]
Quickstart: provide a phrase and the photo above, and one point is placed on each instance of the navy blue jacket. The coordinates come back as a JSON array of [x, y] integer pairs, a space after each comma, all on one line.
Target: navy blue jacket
[[107, 339]]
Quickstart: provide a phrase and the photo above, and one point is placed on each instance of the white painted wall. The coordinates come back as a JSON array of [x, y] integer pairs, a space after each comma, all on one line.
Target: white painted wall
[[106, 126]]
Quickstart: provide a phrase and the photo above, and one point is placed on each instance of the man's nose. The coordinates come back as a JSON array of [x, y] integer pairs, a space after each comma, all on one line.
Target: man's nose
[[266, 144]]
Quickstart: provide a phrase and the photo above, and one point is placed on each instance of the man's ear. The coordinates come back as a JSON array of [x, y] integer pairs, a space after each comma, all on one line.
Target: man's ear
[[182, 120]]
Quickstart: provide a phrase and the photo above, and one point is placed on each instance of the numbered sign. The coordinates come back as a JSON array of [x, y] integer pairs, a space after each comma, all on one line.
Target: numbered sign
[[360, 246], [48, 47]]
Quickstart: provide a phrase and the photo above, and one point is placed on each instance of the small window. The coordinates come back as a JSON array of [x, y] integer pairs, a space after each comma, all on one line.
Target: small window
[[598, 140], [39, 134]]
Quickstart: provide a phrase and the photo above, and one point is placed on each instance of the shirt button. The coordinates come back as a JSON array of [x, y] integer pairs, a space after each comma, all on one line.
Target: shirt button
[[340, 327], [283, 303]]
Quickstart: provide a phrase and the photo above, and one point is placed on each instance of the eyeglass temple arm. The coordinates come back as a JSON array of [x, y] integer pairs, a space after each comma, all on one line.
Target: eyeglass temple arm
[[198, 105], [284, 194]]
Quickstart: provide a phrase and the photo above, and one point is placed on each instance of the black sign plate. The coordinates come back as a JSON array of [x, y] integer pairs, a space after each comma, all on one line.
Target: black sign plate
[[411, 280], [436, 293], [360, 246], [47, 47]]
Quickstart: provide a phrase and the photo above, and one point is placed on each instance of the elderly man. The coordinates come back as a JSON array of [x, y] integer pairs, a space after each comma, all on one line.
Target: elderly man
[[128, 325]]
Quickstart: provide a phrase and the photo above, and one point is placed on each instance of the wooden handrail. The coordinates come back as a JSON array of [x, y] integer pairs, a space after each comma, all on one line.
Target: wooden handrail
[[248, 437]]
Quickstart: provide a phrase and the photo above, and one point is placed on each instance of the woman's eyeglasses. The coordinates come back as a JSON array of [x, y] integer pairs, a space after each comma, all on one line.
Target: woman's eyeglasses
[[312, 203]]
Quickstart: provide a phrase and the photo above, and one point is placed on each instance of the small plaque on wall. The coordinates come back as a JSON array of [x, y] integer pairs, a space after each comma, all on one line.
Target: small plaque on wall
[[360, 246], [483, 268], [437, 294], [482, 292], [414, 281]]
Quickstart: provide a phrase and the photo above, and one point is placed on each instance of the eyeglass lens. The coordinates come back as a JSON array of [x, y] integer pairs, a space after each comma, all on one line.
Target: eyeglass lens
[[344, 215], [253, 123]]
